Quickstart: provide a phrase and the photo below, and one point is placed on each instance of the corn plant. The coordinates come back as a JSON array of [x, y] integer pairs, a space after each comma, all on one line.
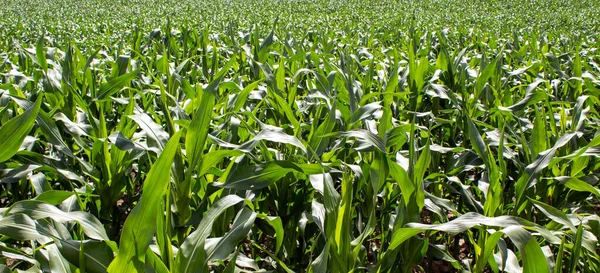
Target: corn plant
[[299, 136]]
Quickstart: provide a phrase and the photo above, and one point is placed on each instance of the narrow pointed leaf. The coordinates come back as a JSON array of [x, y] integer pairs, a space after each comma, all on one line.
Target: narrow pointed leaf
[[14, 131], [140, 226]]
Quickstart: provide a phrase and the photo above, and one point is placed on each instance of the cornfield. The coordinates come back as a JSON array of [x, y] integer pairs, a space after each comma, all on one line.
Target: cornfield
[[299, 136]]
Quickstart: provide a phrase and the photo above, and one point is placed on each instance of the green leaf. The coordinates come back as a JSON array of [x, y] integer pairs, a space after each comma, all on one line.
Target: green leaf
[[532, 256], [231, 265], [56, 262], [489, 247], [273, 134], [367, 136], [4, 269], [316, 139], [241, 98], [441, 252], [575, 253], [212, 158], [275, 222], [114, 85], [195, 140], [460, 224], [485, 75], [365, 111], [478, 144], [54, 197], [197, 132], [191, 256], [554, 214], [156, 135], [560, 255], [258, 176], [140, 226], [91, 226], [48, 127], [97, 254], [16, 174], [401, 235], [419, 174], [19, 227], [398, 135], [320, 263], [531, 96], [538, 136], [40, 54], [73, 128], [342, 237], [532, 171], [154, 263], [14, 131], [123, 143], [544, 159], [239, 229], [576, 184], [401, 177]]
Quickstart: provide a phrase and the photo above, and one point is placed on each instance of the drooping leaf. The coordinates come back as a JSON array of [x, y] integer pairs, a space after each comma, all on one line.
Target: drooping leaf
[[258, 176], [19, 227], [39, 210], [367, 136], [554, 214], [157, 136], [531, 96], [273, 134]]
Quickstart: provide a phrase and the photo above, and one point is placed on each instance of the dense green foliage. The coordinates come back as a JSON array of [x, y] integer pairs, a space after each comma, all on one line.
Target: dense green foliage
[[299, 136]]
